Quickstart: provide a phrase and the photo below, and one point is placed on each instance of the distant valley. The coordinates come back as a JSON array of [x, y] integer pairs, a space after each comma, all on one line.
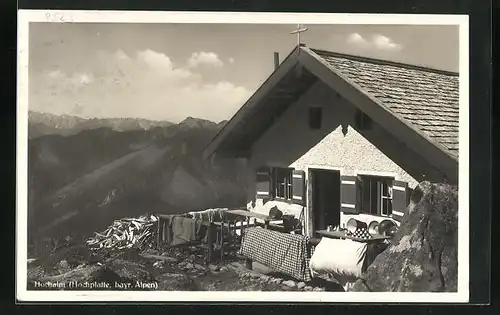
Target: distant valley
[[83, 175]]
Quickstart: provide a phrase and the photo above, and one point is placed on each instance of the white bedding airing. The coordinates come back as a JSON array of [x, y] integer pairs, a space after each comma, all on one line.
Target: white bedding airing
[[343, 259], [286, 208]]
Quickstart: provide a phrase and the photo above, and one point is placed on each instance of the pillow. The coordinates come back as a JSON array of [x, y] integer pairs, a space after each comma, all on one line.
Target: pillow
[[341, 258]]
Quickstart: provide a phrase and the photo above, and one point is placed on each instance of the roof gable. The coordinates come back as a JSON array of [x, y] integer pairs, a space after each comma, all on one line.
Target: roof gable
[[419, 105]]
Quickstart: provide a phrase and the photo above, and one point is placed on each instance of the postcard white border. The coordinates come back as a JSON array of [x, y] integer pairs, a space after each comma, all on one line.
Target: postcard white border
[[54, 16]]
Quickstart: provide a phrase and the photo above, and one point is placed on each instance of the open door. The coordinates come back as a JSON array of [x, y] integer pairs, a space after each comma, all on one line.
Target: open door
[[325, 198]]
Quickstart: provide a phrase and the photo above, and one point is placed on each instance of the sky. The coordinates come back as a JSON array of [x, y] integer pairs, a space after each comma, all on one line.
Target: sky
[[173, 71]]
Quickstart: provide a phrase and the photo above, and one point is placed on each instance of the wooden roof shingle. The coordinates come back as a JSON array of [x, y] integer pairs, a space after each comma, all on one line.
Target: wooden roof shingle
[[426, 98]]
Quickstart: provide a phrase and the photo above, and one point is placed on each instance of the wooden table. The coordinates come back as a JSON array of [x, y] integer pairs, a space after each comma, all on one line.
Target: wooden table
[[339, 234], [249, 214]]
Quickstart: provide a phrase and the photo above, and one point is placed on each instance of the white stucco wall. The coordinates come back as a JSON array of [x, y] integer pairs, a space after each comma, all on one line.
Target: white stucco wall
[[291, 143]]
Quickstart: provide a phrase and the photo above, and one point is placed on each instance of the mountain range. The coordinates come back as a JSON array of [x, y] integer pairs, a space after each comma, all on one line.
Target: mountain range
[[41, 124], [82, 179]]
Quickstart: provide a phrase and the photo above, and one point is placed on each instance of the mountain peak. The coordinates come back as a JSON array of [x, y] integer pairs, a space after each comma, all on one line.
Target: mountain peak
[[192, 122]]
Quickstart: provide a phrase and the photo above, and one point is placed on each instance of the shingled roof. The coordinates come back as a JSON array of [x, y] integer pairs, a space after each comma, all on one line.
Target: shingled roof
[[418, 105], [426, 98]]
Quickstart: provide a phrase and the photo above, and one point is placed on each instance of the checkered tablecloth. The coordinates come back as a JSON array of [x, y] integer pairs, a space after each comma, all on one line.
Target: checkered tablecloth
[[360, 233], [285, 253]]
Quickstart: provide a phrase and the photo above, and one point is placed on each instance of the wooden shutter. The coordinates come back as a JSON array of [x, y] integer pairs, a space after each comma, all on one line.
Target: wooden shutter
[[399, 200], [263, 183], [348, 194], [299, 187]]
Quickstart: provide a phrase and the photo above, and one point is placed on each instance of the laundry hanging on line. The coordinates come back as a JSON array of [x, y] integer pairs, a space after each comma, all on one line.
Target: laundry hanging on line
[[180, 230]]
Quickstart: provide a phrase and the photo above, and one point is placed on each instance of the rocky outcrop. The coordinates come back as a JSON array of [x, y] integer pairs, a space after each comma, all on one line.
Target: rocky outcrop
[[423, 254]]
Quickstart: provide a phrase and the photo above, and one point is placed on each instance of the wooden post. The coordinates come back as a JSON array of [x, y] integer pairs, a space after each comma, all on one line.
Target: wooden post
[[164, 232], [210, 242], [230, 228], [248, 264], [222, 240], [158, 234]]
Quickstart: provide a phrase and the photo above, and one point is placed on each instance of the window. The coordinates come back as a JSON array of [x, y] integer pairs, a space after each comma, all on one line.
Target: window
[[282, 182], [375, 195], [363, 121], [315, 117]]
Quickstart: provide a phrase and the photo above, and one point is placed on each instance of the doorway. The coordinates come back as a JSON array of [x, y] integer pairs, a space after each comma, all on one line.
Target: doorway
[[325, 198]]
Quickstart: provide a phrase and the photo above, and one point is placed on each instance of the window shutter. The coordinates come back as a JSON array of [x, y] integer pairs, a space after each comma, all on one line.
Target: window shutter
[[348, 194], [399, 200], [299, 187], [263, 183]]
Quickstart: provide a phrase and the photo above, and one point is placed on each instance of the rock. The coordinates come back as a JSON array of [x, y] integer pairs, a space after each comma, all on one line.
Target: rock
[[175, 282], [289, 283], [264, 278], [422, 256], [318, 289], [224, 269], [74, 256], [130, 270], [151, 251], [199, 267], [213, 268], [159, 264], [301, 285], [256, 276], [308, 288], [277, 280], [63, 266], [189, 266]]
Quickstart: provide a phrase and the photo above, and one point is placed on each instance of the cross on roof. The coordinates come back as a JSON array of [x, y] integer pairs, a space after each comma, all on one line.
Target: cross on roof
[[300, 29]]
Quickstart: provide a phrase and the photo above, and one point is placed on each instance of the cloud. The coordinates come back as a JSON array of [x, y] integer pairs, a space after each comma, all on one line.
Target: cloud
[[76, 79], [85, 79], [146, 84], [385, 43], [357, 39], [377, 41], [204, 58], [54, 74]]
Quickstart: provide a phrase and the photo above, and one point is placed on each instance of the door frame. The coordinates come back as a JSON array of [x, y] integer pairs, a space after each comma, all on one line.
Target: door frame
[[309, 216]]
